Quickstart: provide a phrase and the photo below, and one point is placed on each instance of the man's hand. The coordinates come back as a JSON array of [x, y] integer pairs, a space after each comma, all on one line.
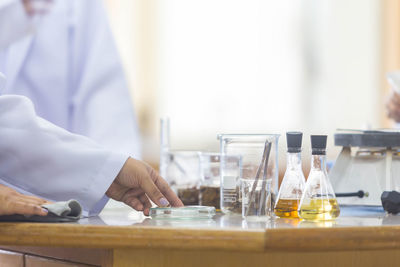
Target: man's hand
[[12, 202], [393, 106], [137, 182]]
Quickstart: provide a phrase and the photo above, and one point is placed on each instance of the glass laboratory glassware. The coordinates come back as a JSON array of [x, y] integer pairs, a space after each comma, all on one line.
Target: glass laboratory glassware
[[251, 150], [293, 182], [164, 146], [181, 169], [182, 172], [254, 200], [210, 179], [188, 212], [210, 185], [318, 202]]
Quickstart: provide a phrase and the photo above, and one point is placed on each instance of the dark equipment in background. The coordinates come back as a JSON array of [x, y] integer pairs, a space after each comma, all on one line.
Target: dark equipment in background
[[369, 162]]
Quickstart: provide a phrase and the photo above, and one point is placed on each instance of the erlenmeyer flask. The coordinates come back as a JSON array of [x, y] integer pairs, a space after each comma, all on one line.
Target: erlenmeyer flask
[[293, 182], [318, 202]]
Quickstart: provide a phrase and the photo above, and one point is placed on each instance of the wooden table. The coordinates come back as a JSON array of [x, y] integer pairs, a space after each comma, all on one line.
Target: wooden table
[[122, 237]]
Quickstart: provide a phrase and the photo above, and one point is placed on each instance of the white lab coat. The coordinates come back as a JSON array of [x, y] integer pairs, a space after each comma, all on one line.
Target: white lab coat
[[70, 69], [70, 74], [37, 157]]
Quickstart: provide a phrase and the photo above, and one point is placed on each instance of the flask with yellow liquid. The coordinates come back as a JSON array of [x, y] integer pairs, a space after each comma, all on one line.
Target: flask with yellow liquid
[[318, 202], [293, 182]]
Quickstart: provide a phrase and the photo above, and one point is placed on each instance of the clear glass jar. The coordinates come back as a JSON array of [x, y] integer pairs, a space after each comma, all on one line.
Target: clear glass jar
[[210, 180], [182, 172], [251, 150], [254, 199], [210, 169]]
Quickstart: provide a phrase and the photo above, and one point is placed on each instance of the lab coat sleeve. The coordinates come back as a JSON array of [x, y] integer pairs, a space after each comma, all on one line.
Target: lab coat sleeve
[[45, 160], [12, 12], [5, 3], [101, 104]]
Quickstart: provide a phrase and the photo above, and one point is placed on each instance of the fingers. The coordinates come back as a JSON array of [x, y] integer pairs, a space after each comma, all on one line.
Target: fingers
[[12, 202], [160, 189], [130, 198], [146, 204], [136, 204], [12, 194], [24, 208], [135, 192], [135, 179], [31, 199], [168, 193], [139, 202], [165, 189], [154, 193]]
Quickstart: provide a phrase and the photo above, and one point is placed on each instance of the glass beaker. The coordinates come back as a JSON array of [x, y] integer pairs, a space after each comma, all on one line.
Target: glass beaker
[[251, 148], [210, 180], [182, 172], [254, 198], [210, 186]]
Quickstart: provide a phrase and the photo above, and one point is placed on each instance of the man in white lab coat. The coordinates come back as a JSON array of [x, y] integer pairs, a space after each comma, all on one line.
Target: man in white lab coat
[[70, 69], [46, 160]]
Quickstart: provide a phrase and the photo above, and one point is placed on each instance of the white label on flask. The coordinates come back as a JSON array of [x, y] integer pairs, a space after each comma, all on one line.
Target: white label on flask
[[229, 182]]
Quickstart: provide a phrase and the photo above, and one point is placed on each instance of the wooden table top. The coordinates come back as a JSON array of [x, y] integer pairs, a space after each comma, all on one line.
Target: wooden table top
[[356, 228]]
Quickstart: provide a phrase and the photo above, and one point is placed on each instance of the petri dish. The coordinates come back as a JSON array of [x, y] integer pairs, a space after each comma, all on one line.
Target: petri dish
[[187, 212]]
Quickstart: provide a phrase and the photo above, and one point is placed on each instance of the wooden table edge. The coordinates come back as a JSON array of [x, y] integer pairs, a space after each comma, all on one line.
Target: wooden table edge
[[93, 236], [264, 240], [333, 239]]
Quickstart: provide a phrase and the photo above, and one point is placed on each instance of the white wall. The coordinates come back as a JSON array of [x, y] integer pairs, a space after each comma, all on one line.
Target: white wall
[[250, 66]]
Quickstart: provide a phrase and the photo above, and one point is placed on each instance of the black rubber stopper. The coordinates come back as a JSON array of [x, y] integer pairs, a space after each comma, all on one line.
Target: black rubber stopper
[[318, 144], [293, 140], [391, 201]]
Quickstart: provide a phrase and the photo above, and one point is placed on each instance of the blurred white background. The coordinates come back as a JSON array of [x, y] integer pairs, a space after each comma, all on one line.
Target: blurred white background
[[259, 66]]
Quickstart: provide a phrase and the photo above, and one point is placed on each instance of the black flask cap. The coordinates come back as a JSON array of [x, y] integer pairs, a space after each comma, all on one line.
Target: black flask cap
[[318, 144], [293, 140]]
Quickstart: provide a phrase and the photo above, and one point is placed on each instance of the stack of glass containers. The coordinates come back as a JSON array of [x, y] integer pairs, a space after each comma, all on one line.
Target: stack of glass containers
[[244, 177]]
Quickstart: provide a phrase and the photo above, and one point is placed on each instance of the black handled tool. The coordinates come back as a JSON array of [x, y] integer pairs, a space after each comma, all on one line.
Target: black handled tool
[[359, 194]]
